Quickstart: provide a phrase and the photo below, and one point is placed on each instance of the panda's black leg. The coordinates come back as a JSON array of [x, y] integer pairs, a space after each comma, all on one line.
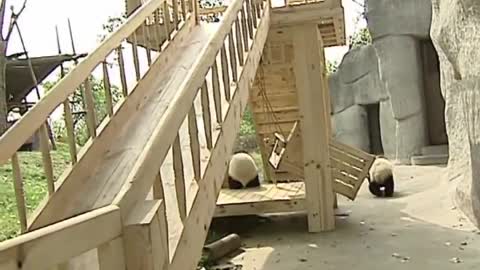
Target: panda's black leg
[[375, 189], [233, 184], [389, 186], [254, 183]]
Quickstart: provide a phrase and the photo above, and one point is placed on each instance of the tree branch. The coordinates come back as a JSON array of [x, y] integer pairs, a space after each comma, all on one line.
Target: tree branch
[[2, 17], [14, 19], [358, 3]]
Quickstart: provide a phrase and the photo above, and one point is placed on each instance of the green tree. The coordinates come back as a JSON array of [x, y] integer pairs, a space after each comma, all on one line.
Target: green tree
[[4, 42], [360, 38], [332, 67], [77, 107]]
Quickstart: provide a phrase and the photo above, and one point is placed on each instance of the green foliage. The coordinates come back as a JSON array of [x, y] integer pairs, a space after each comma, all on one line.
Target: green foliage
[[332, 67], [35, 185], [360, 38], [111, 25], [247, 126], [77, 107]]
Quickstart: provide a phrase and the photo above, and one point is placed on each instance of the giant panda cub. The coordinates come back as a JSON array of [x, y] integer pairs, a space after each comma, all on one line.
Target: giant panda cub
[[242, 171], [380, 179]]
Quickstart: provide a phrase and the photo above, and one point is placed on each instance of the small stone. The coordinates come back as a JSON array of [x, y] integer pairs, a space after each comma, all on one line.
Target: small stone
[[396, 255], [461, 248], [393, 234], [371, 229], [362, 222], [455, 260], [448, 244], [464, 243], [313, 245], [453, 208], [302, 259]]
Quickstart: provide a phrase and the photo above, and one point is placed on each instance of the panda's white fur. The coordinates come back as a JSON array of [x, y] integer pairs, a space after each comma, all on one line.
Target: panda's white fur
[[381, 169], [242, 168]]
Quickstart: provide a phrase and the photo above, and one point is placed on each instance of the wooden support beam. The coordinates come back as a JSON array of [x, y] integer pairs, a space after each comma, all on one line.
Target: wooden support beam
[[313, 114], [145, 237]]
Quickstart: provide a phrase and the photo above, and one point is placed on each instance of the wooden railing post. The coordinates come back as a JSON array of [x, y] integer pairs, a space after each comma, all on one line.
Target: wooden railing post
[[146, 237]]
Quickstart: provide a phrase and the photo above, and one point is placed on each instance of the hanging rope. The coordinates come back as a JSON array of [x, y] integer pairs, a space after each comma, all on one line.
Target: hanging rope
[[267, 106]]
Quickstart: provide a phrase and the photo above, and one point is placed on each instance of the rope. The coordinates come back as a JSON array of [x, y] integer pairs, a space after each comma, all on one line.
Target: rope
[[267, 106]]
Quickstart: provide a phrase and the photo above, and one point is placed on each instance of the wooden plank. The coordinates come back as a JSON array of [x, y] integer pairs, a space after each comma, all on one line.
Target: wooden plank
[[123, 76], [207, 116], [184, 10], [175, 13], [82, 233], [108, 90], [216, 92], [359, 154], [90, 108], [197, 223], [340, 166], [166, 20], [46, 158], [233, 57], [145, 244], [245, 34], [336, 154], [158, 192], [239, 42], [139, 181], [19, 193], [111, 255], [225, 72], [319, 186], [23, 129], [194, 143], [136, 61], [61, 205], [339, 176], [179, 178], [259, 208], [72, 146]]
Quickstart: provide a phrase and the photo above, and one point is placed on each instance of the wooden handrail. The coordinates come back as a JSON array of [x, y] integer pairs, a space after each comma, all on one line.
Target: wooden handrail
[[55, 244], [21, 131], [172, 119]]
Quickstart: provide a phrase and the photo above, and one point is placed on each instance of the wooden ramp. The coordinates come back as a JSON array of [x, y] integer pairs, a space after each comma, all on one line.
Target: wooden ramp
[[141, 193]]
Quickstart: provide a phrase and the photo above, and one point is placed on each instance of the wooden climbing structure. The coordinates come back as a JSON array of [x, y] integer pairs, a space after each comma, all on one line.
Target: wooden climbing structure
[[143, 189], [291, 108]]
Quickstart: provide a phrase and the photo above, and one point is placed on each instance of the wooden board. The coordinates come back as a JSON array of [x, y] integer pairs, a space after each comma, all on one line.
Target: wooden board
[[99, 176], [269, 198], [327, 14]]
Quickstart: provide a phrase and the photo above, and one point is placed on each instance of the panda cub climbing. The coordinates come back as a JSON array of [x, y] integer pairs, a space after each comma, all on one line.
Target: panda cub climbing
[[242, 171], [380, 179]]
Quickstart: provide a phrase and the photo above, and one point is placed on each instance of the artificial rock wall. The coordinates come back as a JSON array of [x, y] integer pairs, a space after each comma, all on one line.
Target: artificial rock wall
[[456, 36], [394, 73]]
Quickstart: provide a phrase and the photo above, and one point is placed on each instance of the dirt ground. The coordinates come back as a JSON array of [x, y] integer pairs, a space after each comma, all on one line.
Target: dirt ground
[[417, 229]]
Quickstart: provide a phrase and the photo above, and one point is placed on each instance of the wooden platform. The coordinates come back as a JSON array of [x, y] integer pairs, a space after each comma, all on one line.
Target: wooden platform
[[269, 198]]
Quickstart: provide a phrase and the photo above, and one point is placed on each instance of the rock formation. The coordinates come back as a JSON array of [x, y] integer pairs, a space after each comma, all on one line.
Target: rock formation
[[398, 74], [456, 36]]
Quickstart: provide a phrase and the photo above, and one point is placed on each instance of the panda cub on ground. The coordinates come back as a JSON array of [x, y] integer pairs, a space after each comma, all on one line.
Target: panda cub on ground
[[380, 179], [242, 171]]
